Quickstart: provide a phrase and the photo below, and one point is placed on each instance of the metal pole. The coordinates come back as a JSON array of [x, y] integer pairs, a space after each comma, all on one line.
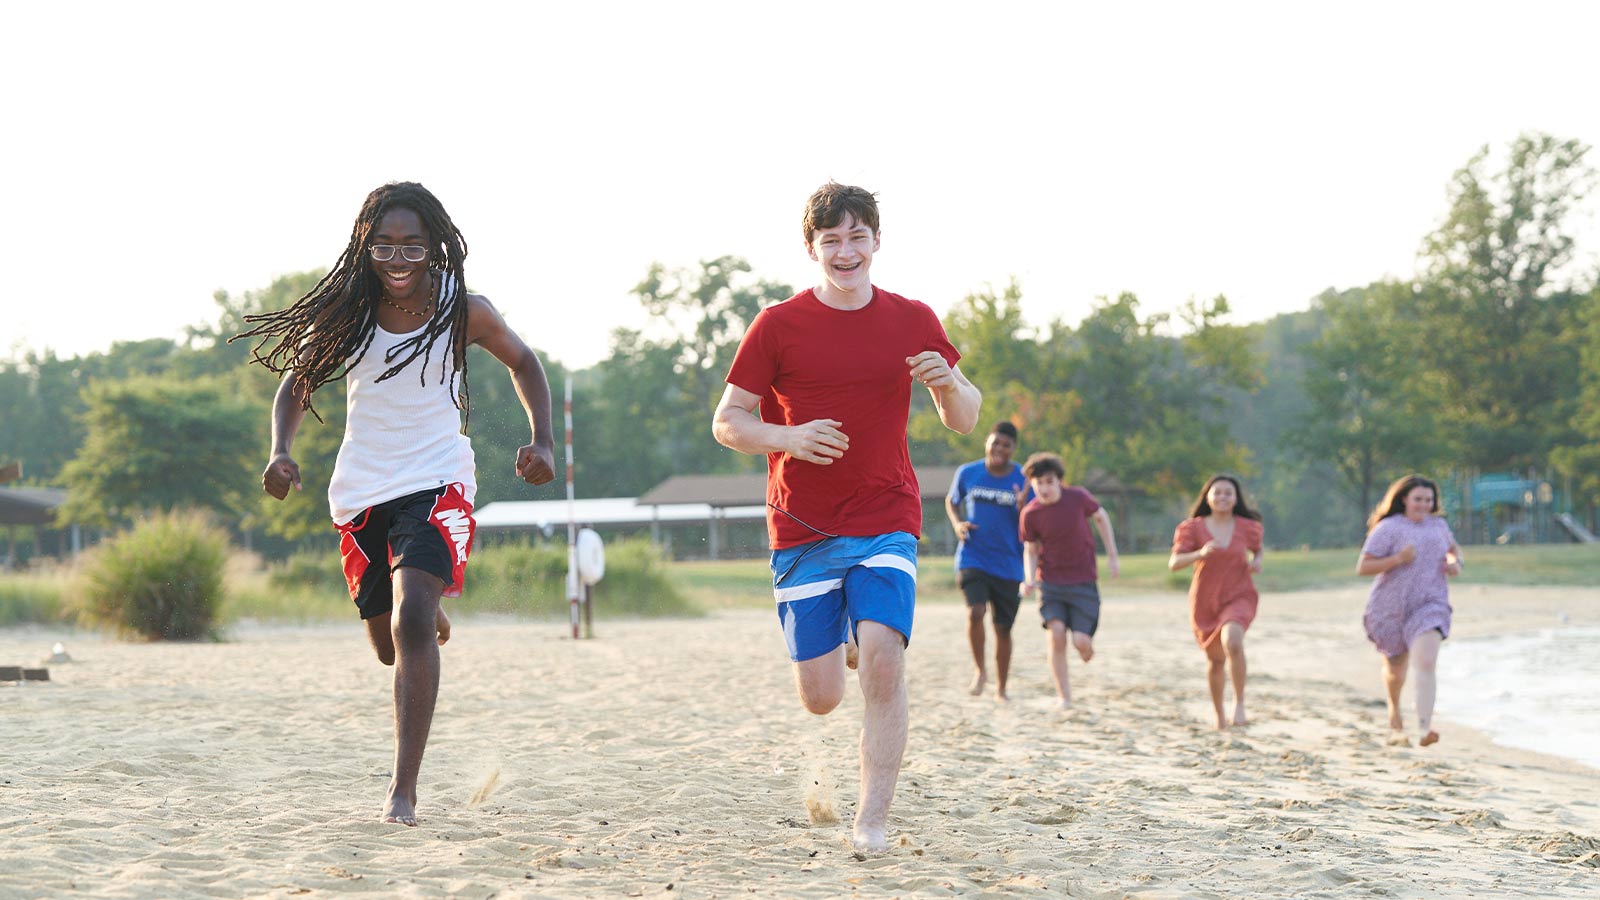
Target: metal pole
[[572, 518]]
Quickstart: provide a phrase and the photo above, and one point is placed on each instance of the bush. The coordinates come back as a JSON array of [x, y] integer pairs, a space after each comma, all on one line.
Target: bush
[[162, 580]]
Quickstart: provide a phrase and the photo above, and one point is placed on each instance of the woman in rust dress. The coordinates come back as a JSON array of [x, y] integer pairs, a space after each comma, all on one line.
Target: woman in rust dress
[[1222, 540]]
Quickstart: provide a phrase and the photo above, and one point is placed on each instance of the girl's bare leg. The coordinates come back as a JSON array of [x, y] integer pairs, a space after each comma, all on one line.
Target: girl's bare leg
[[1394, 678], [1217, 679], [1233, 643], [1425, 659]]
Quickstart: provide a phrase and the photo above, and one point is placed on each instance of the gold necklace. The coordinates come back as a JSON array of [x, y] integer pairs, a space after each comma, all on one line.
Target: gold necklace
[[426, 307]]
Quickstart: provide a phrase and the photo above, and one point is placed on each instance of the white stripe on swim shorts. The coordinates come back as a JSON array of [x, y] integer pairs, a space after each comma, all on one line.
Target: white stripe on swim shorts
[[802, 591], [890, 561]]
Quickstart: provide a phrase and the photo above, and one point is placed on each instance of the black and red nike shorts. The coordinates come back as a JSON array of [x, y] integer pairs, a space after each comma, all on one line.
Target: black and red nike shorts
[[430, 530]]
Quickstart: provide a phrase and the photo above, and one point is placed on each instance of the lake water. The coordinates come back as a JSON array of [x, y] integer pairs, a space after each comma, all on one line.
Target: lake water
[[1534, 690]]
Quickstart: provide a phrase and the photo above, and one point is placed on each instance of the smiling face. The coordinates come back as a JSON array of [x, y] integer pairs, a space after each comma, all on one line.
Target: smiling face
[[845, 254], [1222, 496], [1419, 503], [402, 279], [997, 452]]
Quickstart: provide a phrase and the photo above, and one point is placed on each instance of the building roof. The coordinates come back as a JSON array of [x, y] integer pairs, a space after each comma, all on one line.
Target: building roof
[[30, 505], [508, 514]]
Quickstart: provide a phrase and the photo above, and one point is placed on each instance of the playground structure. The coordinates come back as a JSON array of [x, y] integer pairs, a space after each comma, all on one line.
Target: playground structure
[[1507, 508]]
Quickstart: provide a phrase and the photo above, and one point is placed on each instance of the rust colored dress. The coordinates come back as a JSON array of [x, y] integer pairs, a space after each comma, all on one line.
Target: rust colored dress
[[1222, 590]]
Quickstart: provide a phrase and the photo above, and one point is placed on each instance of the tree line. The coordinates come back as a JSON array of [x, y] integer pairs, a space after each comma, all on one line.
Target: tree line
[[1488, 358]]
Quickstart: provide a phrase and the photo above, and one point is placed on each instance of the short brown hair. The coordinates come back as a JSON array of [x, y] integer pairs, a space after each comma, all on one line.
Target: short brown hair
[[1042, 464], [830, 203]]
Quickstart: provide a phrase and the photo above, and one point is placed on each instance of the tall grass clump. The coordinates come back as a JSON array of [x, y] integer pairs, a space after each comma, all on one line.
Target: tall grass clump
[[531, 580], [161, 580]]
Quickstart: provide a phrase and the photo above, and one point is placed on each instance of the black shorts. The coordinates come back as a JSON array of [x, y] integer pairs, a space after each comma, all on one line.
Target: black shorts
[[430, 530], [981, 588], [1076, 605]]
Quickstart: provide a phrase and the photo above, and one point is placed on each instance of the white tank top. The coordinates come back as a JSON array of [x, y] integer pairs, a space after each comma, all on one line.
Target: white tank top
[[400, 436]]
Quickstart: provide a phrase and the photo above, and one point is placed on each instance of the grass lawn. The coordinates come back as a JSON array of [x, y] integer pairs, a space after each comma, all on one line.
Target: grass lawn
[[748, 582]]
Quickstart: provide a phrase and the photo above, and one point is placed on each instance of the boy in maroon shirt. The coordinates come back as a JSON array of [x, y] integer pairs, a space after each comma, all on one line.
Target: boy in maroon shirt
[[1058, 559]]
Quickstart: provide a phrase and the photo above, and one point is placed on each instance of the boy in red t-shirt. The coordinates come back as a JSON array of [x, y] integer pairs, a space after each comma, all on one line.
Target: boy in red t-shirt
[[1058, 559], [822, 385]]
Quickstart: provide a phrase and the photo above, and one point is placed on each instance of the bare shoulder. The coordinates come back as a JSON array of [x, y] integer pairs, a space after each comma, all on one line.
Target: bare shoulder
[[483, 319]]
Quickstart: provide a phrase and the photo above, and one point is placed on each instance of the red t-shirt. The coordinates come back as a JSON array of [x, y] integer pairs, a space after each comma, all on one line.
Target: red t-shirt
[[807, 360], [1066, 548]]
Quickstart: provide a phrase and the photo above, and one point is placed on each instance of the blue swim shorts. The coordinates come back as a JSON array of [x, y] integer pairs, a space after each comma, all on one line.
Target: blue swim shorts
[[823, 590]]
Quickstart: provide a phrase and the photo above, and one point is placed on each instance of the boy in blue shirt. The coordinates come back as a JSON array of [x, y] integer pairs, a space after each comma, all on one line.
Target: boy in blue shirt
[[984, 503]]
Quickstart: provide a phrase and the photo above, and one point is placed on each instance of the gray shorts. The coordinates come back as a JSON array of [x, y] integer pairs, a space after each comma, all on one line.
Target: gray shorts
[[1076, 605]]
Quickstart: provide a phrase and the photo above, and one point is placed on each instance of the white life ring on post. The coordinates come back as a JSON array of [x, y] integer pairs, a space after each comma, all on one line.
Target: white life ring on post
[[591, 556]]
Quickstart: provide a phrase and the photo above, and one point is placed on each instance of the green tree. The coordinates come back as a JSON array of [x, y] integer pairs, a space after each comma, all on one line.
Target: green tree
[[644, 413], [1579, 459], [1491, 314], [160, 444], [999, 354], [1372, 409], [708, 311]]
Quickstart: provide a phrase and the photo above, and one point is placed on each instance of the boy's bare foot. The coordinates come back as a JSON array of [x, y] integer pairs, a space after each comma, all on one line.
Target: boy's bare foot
[[1000, 696], [868, 839], [1222, 724], [852, 653], [1429, 739], [1085, 651], [1064, 703], [441, 622], [979, 679], [1239, 718], [400, 810], [1396, 721]]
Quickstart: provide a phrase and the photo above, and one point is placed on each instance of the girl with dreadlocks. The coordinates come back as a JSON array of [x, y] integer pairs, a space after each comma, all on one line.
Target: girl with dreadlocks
[[394, 320]]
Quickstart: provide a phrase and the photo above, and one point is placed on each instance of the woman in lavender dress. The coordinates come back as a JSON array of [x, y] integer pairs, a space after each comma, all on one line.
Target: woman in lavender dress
[[1410, 548]]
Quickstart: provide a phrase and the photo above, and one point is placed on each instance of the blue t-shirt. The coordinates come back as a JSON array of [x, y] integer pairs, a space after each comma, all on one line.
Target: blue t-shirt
[[989, 502]]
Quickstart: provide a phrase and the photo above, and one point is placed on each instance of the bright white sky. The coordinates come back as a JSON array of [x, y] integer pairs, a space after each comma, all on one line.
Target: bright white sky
[[156, 152]]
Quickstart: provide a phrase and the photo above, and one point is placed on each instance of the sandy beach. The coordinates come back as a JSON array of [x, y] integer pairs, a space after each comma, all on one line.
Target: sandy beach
[[671, 759]]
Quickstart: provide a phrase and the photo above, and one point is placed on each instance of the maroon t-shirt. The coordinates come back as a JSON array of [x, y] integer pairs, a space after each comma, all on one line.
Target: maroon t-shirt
[[1066, 548], [807, 360]]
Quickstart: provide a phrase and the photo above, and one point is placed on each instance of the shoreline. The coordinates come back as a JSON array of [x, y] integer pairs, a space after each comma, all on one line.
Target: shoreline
[[673, 752]]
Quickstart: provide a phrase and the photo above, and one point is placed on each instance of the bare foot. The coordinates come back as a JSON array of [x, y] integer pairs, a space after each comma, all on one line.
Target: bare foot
[[400, 810], [1000, 696], [979, 679], [1429, 739], [1239, 718], [1064, 703], [1086, 651], [868, 839], [1396, 721], [1222, 724], [852, 653], [441, 622]]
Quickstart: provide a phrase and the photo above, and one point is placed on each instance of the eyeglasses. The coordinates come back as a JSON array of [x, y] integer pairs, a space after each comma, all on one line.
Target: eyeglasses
[[409, 252]]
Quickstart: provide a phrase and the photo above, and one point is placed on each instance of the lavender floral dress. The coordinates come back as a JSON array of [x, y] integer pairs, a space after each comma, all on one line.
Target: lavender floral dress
[[1410, 600]]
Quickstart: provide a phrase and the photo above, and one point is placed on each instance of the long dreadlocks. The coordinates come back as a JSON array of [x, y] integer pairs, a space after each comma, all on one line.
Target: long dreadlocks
[[331, 327]]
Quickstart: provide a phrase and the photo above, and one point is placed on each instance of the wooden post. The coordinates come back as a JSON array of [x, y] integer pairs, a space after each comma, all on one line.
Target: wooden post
[[573, 589]]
